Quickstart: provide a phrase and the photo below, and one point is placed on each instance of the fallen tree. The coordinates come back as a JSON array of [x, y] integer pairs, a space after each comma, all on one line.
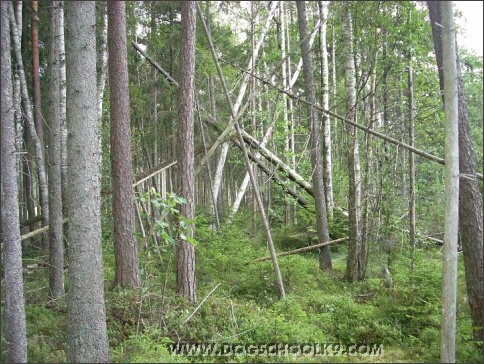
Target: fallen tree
[[300, 250]]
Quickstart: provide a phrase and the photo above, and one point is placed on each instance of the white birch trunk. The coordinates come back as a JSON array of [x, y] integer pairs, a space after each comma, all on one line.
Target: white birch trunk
[[327, 149], [355, 260]]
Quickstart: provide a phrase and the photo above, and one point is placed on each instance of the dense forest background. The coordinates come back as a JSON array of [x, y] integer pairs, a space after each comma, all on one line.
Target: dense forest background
[[213, 136]]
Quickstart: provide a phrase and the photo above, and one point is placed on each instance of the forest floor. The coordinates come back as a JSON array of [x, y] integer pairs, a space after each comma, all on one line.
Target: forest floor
[[321, 318]]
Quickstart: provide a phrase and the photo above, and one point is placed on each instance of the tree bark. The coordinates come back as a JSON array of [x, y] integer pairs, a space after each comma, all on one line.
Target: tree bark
[[127, 272], [315, 136], [327, 148], [36, 72], [102, 60], [29, 119], [57, 115], [470, 198], [15, 325], [355, 266], [449, 285], [186, 284], [87, 339], [411, 161]]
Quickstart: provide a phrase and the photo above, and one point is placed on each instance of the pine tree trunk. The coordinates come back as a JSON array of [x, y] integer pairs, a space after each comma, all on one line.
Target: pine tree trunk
[[315, 136], [56, 118], [87, 339], [186, 284], [127, 272], [15, 325]]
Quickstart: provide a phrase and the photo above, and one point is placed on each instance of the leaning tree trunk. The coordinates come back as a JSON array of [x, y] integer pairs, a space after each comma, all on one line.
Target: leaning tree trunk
[[270, 243], [127, 272], [470, 198], [243, 87], [56, 119], [87, 339], [315, 136], [15, 325], [186, 285], [355, 265]]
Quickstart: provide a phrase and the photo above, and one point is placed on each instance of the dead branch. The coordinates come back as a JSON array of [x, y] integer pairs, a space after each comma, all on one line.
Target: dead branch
[[301, 250]]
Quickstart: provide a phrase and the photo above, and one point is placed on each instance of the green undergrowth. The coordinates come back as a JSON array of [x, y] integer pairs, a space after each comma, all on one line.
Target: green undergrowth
[[241, 304]]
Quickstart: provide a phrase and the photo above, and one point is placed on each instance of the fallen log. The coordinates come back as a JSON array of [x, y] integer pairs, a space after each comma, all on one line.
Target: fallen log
[[39, 231], [300, 250]]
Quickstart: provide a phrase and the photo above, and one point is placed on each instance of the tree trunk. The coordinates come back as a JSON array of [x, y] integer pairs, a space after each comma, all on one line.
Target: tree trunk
[[125, 245], [327, 148], [62, 108], [316, 150], [470, 198], [15, 325], [186, 284], [411, 162], [36, 71], [102, 60], [449, 285], [87, 339], [355, 265], [29, 119], [57, 115]]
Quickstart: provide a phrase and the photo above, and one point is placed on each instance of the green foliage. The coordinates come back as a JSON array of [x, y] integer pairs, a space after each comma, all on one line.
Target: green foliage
[[147, 347], [46, 332], [165, 211]]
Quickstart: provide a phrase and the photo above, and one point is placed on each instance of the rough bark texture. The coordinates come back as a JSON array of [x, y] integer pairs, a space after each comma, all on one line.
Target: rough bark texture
[[449, 285], [186, 284], [56, 118], [15, 326], [86, 330], [470, 198], [315, 137], [127, 272], [355, 266]]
